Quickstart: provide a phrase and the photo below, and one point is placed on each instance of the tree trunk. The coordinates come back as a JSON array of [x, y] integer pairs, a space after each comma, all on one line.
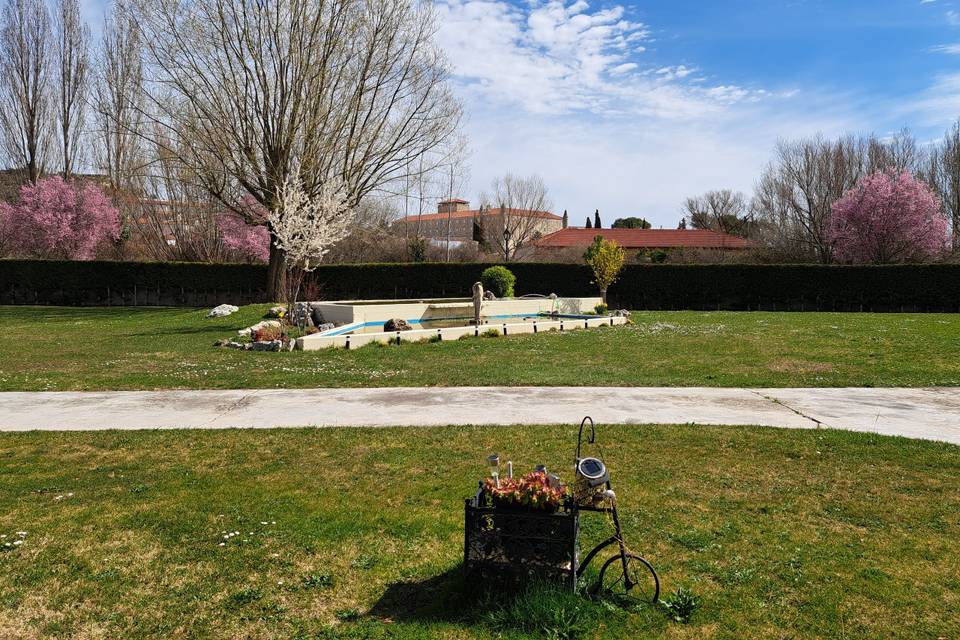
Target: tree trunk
[[603, 295], [276, 272]]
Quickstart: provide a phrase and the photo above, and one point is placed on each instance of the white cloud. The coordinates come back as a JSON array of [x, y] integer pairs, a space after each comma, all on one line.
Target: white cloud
[[556, 58], [953, 49]]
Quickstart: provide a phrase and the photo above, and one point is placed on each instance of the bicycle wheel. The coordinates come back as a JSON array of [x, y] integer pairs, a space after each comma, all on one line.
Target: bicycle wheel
[[643, 583]]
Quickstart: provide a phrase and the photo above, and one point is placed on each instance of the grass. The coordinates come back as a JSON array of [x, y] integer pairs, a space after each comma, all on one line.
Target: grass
[[49, 348], [355, 533]]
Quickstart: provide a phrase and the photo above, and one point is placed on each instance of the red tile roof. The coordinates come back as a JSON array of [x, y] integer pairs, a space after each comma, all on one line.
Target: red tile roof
[[645, 239], [495, 211]]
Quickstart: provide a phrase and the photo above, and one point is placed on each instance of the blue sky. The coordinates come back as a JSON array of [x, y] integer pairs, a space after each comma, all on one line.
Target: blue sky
[[631, 106]]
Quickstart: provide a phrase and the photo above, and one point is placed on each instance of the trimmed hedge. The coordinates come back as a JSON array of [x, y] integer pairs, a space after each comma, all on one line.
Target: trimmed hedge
[[734, 287]]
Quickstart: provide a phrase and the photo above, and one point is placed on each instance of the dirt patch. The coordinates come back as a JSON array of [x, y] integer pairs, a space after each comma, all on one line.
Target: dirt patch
[[789, 365]]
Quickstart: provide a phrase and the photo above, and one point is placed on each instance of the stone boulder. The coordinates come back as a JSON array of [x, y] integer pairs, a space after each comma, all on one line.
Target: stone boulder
[[268, 345], [302, 315], [276, 312], [397, 324], [325, 326], [260, 325], [620, 313], [489, 295], [222, 311], [317, 316]]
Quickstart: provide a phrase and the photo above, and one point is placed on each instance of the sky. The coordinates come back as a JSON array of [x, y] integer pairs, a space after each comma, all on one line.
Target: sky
[[630, 107]]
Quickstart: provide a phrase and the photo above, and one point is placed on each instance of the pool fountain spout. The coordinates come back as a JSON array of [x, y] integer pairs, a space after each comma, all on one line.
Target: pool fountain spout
[[477, 302]]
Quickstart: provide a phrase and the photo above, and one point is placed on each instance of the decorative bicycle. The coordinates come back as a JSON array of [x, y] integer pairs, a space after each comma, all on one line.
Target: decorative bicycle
[[625, 574], [515, 544]]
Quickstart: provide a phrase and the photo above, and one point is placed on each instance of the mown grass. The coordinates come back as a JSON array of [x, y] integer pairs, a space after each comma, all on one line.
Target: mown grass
[[47, 348], [358, 533]]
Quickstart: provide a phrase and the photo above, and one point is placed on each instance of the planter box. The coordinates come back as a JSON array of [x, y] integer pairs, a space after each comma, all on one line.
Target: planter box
[[513, 545]]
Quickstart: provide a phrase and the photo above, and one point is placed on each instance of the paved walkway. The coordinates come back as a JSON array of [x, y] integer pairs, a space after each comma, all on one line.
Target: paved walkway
[[916, 413]]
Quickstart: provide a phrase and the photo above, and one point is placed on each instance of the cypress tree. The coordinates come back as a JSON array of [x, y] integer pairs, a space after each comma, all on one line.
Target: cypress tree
[[589, 226], [565, 219], [596, 220]]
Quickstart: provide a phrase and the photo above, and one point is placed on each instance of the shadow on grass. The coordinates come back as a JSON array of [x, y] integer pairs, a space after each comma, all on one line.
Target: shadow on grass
[[447, 597], [536, 608]]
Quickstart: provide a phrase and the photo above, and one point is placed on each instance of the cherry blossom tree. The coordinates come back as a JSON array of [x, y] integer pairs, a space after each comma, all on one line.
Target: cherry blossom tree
[[59, 219], [251, 242], [888, 217]]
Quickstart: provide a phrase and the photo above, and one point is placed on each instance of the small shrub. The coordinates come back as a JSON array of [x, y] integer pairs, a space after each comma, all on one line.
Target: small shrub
[[500, 280], [601, 309], [681, 605], [490, 333]]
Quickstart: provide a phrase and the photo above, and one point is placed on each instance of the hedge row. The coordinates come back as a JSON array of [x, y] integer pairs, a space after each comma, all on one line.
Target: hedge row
[[749, 287]]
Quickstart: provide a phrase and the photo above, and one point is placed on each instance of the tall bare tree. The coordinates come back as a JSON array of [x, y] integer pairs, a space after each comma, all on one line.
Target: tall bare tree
[[118, 99], [724, 210], [72, 47], [798, 188], [516, 205], [345, 90], [25, 96], [944, 176]]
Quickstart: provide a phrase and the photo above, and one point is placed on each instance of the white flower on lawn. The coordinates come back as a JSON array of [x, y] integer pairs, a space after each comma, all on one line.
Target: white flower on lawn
[[17, 542]]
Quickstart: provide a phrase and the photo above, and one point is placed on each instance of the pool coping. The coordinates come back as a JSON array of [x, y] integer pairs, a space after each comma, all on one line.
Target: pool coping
[[319, 341]]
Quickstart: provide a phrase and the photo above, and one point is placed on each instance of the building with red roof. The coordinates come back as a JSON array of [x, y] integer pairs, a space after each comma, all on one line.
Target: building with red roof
[[455, 220]]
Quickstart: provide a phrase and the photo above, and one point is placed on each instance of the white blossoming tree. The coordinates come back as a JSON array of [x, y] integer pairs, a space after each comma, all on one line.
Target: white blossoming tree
[[306, 227]]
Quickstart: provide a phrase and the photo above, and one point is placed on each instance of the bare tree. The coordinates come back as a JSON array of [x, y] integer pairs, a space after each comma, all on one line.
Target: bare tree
[[118, 100], [725, 211], [344, 90], [456, 174], [72, 44], [171, 218], [944, 176], [25, 101], [798, 188], [517, 206]]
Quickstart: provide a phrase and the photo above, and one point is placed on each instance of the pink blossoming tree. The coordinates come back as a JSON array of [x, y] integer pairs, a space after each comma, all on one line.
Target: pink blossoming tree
[[59, 219], [250, 242], [888, 217]]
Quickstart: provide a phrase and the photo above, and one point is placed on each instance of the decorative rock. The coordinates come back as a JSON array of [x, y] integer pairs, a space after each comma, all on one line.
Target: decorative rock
[[222, 311], [276, 312], [620, 313], [325, 326], [260, 325], [396, 324], [268, 345], [489, 295], [317, 317], [302, 315], [232, 344]]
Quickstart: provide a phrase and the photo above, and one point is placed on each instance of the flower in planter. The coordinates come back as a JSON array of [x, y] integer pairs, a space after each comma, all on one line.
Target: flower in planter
[[532, 491]]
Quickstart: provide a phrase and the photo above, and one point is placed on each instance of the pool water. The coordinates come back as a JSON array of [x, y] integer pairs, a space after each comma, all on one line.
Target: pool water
[[443, 323]]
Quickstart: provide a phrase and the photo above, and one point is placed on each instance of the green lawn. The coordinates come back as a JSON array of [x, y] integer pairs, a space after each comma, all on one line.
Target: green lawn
[[50, 348], [358, 533]]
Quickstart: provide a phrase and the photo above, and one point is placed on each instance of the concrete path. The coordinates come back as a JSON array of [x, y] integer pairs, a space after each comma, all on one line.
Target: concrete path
[[916, 413]]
